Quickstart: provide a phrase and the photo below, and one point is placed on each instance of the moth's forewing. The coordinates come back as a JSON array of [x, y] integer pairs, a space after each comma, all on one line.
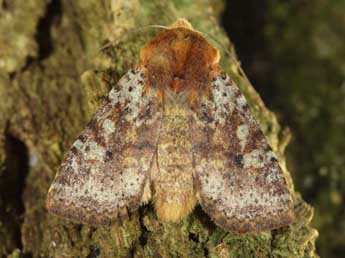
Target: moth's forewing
[[105, 171], [240, 183]]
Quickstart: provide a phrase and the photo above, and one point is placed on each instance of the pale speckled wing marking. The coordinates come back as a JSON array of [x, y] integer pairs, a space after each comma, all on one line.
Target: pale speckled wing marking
[[107, 167], [240, 183]]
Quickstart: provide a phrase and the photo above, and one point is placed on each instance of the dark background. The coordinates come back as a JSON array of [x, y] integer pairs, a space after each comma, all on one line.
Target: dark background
[[294, 54]]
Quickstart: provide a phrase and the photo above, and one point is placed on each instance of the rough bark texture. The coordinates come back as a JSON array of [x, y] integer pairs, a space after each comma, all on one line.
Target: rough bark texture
[[52, 79]]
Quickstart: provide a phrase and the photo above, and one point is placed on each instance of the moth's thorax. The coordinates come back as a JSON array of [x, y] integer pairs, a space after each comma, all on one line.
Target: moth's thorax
[[180, 59]]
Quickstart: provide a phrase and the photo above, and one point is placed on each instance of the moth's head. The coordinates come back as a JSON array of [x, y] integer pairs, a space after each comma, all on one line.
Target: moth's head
[[178, 54]]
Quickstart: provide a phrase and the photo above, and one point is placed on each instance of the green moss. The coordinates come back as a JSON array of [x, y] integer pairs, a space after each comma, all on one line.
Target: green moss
[[18, 22], [15, 254]]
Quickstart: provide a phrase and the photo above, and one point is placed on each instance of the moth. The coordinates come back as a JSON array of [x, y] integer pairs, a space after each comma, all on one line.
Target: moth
[[176, 131]]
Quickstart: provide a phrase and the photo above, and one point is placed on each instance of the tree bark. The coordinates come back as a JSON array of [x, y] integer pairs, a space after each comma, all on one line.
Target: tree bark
[[53, 77]]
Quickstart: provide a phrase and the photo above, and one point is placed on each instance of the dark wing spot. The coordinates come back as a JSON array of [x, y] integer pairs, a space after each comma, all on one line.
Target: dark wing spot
[[82, 138], [273, 159], [74, 150], [267, 148], [108, 155], [239, 160], [223, 76], [245, 107]]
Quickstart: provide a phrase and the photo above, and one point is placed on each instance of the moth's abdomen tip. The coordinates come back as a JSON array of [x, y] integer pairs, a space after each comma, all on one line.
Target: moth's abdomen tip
[[173, 208], [173, 212]]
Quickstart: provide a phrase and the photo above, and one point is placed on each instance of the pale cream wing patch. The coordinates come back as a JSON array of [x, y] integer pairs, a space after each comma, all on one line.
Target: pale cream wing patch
[[106, 170], [240, 183]]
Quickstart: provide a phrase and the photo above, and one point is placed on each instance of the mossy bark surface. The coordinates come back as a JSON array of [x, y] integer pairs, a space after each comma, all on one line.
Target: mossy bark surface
[[53, 77]]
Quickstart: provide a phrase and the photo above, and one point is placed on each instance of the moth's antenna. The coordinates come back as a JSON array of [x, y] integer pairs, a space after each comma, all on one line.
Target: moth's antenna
[[155, 26], [134, 31]]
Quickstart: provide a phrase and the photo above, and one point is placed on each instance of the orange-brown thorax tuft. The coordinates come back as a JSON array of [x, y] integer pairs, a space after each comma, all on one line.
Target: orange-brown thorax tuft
[[180, 59]]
